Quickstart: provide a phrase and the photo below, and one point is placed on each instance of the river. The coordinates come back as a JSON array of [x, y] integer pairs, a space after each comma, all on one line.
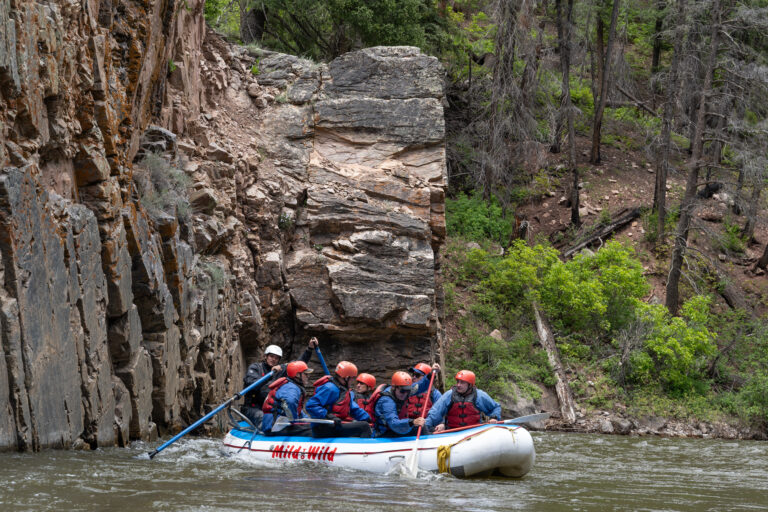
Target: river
[[572, 472]]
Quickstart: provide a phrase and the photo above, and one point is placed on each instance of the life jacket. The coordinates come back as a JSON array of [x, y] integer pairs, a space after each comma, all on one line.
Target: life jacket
[[462, 411], [361, 400], [370, 403], [271, 407], [400, 405], [416, 403], [341, 407]]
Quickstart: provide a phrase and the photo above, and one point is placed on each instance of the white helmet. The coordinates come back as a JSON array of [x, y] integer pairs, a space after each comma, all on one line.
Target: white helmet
[[274, 349]]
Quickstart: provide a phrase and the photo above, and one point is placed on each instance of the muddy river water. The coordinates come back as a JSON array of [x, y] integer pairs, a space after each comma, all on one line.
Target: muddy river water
[[572, 472]]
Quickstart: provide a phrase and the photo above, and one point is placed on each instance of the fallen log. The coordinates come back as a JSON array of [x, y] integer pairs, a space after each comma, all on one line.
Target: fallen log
[[562, 387], [623, 218]]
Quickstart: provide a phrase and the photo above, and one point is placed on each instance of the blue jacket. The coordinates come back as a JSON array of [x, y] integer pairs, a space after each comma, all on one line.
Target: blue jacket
[[325, 396], [484, 404], [291, 393], [387, 417]]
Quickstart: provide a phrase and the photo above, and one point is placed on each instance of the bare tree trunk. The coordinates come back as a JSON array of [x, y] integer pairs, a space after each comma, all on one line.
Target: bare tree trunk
[[749, 227], [670, 107], [598, 123], [689, 199], [564, 43], [656, 57], [562, 387], [763, 261]]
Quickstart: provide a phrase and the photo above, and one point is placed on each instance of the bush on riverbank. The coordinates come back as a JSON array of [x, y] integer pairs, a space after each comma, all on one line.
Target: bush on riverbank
[[618, 348]]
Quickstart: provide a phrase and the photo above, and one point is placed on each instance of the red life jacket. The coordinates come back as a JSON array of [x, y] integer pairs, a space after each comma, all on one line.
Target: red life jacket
[[416, 402], [462, 411], [269, 403], [341, 407], [370, 404]]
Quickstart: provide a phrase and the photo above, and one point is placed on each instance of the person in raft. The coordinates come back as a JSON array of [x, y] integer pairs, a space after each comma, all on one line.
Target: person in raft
[[391, 406], [333, 400], [286, 398], [364, 387], [462, 405], [254, 399], [416, 401]]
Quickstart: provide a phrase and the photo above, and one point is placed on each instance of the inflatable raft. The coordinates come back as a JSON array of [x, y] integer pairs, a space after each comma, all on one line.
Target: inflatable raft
[[484, 450]]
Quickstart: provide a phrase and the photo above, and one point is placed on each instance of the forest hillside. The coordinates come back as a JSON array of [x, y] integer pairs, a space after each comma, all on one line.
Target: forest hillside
[[606, 167]]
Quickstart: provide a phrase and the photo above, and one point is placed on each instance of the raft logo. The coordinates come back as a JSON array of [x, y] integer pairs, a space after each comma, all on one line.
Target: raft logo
[[290, 451]]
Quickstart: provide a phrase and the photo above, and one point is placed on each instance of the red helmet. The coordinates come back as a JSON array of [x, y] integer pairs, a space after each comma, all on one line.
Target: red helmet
[[466, 376], [296, 367], [346, 369], [367, 379], [423, 368], [401, 379]]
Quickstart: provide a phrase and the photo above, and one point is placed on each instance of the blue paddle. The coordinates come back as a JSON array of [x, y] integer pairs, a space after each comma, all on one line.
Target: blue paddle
[[211, 414], [322, 361]]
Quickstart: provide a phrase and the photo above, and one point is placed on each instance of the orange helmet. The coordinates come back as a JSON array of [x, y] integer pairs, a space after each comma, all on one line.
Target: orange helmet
[[401, 379], [423, 368], [367, 379], [466, 376], [346, 369], [296, 367]]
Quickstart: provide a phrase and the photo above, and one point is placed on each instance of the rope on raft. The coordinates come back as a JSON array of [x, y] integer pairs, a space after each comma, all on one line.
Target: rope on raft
[[444, 451]]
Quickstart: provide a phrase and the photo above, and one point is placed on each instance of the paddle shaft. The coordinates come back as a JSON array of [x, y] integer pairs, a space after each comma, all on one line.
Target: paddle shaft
[[413, 461], [211, 414], [322, 361]]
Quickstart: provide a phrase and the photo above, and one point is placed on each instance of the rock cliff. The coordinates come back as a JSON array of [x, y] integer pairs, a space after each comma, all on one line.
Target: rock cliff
[[170, 203]]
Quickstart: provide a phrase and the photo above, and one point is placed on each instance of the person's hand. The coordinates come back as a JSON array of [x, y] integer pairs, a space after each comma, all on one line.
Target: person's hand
[[336, 420], [313, 343], [436, 367], [277, 368], [493, 420], [439, 428], [419, 422]]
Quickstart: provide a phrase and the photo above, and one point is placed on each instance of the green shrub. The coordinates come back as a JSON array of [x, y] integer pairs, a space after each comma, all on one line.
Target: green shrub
[[475, 219], [732, 240], [678, 349]]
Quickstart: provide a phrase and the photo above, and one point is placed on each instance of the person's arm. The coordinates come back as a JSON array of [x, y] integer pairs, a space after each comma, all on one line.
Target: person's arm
[[386, 410], [316, 406], [437, 412], [356, 411], [436, 394], [253, 374], [488, 405], [307, 355]]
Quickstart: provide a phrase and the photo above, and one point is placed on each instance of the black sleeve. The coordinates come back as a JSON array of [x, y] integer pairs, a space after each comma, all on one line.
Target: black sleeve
[[254, 373], [307, 355]]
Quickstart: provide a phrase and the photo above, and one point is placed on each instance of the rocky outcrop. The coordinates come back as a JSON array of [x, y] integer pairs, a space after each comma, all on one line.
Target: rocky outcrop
[[165, 213]]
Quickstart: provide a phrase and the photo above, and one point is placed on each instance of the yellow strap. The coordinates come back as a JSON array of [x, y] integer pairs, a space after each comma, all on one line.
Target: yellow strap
[[444, 459]]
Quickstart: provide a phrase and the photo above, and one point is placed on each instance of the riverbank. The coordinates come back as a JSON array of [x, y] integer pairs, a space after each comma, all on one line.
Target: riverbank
[[607, 422]]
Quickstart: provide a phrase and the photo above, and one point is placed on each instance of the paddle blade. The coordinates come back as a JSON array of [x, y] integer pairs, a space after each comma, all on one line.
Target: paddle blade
[[531, 418]]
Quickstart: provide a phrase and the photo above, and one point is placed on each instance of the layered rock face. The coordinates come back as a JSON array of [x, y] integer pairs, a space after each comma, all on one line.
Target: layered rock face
[[169, 204]]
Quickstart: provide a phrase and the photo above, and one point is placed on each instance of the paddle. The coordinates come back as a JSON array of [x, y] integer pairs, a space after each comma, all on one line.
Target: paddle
[[211, 414], [412, 465], [531, 418], [283, 422], [322, 361]]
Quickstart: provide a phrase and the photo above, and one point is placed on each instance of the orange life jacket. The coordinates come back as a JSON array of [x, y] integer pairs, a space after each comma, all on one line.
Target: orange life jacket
[[269, 406]]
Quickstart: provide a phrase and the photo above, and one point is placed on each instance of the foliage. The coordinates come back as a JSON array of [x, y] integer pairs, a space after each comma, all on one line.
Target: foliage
[[732, 240], [475, 219], [678, 349]]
